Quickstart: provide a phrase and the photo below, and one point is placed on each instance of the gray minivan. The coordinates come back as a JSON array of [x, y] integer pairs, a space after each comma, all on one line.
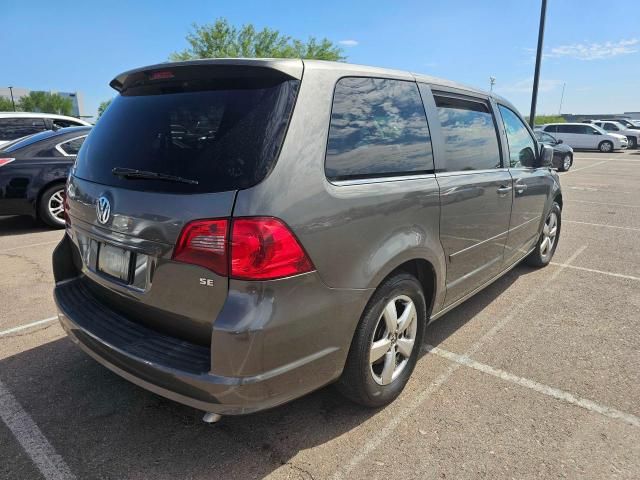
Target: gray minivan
[[242, 232]]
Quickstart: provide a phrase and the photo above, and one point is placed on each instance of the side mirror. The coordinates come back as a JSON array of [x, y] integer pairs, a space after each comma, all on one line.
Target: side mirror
[[546, 156], [559, 141]]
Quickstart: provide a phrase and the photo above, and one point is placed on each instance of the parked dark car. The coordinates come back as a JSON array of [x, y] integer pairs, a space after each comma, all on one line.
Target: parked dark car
[[33, 172], [240, 234], [562, 153]]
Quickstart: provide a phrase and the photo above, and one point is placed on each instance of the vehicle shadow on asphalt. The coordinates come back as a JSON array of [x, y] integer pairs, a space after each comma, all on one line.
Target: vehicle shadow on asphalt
[[20, 225], [103, 426]]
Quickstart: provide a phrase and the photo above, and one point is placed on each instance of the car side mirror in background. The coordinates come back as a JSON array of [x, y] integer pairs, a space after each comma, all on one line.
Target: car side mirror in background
[[559, 141], [546, 156]]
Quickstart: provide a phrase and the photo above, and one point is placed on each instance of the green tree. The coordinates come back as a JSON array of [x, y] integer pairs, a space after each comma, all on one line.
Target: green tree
[[542, 119], [103, 106], [224, 40], [45, 102], [6, 105]]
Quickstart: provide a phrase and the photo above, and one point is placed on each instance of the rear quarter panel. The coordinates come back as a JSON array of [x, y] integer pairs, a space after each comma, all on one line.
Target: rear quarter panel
[[355, 233]]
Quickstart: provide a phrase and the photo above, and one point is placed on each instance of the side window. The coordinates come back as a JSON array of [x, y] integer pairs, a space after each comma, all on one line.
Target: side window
[[64, 123], [12, 128], [587, 130], [72, 147], [378, 128], [470, 136], [552, 128], [522, 148], [610, 127]]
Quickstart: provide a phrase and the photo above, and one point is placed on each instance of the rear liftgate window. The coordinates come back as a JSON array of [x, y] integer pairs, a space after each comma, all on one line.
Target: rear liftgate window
[[224, 133], [378, 129]]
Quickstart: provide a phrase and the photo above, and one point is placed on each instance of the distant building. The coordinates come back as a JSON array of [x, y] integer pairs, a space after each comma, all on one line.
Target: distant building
[[77, 100], [570, 117]]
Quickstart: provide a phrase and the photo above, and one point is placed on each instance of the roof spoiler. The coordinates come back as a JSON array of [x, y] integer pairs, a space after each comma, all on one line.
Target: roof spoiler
[[291, 68]]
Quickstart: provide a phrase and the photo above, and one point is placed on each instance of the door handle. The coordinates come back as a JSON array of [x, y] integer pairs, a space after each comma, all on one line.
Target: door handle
[[520, 187], [504, 189]]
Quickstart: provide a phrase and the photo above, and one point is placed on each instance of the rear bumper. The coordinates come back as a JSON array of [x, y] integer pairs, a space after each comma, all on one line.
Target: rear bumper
[[260, 356]]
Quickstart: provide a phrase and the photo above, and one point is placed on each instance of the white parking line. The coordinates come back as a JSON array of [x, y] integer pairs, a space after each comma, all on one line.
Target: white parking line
[[381, 434], [574, 170], [538, 387], [602, 225], [604, 203], [28, 246], [593, 270], [26, 326], [32, 440]]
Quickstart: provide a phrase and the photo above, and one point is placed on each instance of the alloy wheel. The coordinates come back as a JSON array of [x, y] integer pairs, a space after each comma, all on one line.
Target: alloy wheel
[[549, 234], [393, 339], [56, 206], [566, 162]]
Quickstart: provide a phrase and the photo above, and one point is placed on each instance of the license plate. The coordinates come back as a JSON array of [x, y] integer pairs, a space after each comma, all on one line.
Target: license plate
[[114, 261]]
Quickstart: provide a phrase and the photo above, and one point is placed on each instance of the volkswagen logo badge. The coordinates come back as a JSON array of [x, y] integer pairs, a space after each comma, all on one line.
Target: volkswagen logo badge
[[103, 209]]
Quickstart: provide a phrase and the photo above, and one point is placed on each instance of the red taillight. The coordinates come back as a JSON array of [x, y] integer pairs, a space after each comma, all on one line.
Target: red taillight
[[204, 243], [5, 161], [263, 248]]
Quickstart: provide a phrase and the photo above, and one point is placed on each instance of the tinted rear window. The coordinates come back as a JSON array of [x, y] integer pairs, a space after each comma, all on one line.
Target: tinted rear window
[[225, 135]]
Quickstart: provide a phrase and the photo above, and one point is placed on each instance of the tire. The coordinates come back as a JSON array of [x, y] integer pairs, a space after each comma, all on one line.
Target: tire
[[543, 253], [633, 142], [50, 207], [378, 383], [606, 146], [567, 161]]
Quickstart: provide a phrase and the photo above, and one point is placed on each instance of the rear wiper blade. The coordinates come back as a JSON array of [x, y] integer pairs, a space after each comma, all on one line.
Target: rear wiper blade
[[144, 175]]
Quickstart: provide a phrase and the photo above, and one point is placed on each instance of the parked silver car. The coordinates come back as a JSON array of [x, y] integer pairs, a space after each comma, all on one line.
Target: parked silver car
[[242, 232]]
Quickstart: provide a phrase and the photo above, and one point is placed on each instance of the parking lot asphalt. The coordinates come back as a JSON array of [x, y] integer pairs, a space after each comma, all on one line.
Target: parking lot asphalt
[[537, 376]]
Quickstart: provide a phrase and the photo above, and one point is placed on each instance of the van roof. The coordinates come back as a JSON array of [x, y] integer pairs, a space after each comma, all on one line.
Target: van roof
[[294, 68]]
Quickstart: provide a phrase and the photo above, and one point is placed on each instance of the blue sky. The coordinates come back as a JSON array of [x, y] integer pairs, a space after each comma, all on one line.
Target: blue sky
[[592, 46]]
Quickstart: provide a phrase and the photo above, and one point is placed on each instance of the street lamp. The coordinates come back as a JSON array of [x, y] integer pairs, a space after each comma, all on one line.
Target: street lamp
[[12, 101], [536, 76], [492, 82]]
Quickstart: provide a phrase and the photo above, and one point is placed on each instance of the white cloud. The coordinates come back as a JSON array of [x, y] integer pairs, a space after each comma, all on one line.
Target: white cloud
[[595, 51], [526, 86], [349, 43]]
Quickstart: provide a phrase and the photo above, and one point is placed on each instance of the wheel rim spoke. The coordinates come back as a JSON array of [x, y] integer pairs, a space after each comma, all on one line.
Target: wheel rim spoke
[[379, 349], [544, 246], [389, 366], [407, 317], [405, 346], [391, 316]]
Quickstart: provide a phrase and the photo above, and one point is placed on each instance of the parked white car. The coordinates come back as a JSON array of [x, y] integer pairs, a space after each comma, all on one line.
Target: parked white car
[[616, 127], [14, 125], [586, 136]]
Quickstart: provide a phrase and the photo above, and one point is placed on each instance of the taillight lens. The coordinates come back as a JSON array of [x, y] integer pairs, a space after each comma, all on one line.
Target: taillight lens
[[5, 161], [263, 248], [204, 243]]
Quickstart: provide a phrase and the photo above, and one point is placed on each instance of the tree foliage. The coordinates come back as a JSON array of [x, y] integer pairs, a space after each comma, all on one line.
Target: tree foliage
[[45, 102], [6, 105], [542, 119], [103, 106], [222, 40]]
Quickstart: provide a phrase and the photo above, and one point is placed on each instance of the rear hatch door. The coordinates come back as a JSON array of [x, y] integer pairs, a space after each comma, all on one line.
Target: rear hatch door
[[174, 146]]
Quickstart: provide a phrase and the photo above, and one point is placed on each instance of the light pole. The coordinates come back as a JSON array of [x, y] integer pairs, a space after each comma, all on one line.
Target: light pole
[[561, 99], [536, 76], [492, 82], [12, 101]]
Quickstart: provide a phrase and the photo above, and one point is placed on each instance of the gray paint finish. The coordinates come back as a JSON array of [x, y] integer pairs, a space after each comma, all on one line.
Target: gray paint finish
[[272, 341]]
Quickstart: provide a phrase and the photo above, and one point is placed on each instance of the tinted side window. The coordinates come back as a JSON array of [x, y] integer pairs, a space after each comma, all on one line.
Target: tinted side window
[[552, 128], [470, 137], [522, 148], [72, 147], [60, 123], [574, 129], [378, 128], [12, 128], [610, 127]]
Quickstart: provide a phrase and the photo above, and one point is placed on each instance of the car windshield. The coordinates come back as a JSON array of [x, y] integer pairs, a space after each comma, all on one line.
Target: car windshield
[[599, 129]]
